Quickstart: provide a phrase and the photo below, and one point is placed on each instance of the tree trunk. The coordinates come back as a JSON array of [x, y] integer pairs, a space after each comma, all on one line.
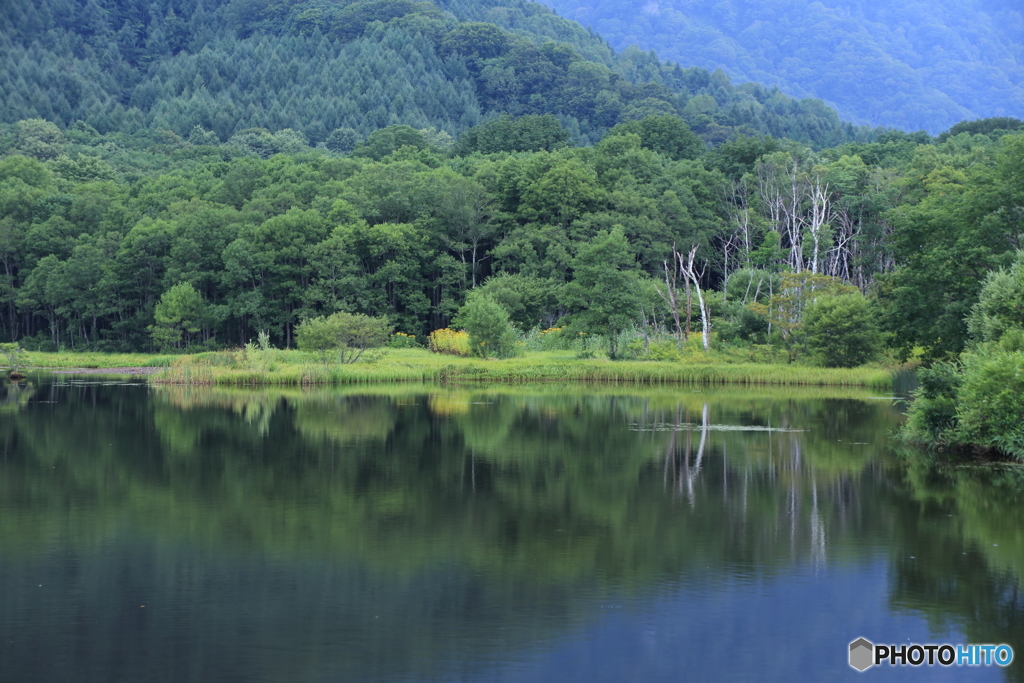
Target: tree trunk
[[693, 277]]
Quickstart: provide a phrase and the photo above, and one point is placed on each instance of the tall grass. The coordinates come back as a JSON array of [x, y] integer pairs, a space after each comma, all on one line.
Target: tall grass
[[76, 359], [411, 365]]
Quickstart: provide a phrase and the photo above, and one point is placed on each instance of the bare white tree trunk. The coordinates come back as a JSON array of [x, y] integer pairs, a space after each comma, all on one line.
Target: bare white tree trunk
[[820, 212], [795, 218], [693, 278]]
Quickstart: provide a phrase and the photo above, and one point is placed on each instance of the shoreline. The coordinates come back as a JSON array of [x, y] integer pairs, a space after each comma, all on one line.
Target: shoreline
[[276, 367]]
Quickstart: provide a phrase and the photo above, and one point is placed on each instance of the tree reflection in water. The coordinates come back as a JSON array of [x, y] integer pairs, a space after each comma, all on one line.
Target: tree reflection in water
[[473, 520]]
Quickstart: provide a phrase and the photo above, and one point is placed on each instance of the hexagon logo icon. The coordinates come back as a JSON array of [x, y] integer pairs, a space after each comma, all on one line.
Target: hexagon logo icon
[[862, 654]]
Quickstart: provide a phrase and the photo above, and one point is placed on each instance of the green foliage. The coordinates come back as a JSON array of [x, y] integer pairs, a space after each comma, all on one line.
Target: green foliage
[[200, 73], [1000, 307], [980, 404], [268, 230], [996, 126], [476, 40], [38, 138], [529, 133], [346, 334], [401, 340], [181, 310], [786, 309], [933, 413], [668, 135], [388, 140], [737, 157], [990, 401], [81, 168], [489, 327], [527, 299], [342, 140], [14, 355], [263, 143], [841, 330], [603, 297], [953, 230]]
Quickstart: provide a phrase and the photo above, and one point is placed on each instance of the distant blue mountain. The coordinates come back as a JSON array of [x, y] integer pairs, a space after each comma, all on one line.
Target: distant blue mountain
[[911, 64]]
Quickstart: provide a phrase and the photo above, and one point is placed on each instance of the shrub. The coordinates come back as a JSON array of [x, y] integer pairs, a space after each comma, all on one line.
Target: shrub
[[452, 342], [586, 345], [551, 339], [978, 405], [14, 355], [1000, 307], [665, 350], [933, 413], [990, 401], [401, 340]]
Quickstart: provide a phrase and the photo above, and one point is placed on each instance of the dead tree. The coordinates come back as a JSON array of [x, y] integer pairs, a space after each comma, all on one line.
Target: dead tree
[[693, 277]]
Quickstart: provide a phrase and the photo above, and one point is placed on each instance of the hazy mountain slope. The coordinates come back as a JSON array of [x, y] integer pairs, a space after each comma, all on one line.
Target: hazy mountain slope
[[911, 64], [315, 66]]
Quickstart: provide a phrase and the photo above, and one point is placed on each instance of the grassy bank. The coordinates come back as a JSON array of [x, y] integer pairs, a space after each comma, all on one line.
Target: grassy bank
[[413, 365], [65, 360]]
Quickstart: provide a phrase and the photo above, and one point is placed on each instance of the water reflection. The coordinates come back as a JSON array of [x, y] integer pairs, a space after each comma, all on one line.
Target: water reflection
[[441, 533]]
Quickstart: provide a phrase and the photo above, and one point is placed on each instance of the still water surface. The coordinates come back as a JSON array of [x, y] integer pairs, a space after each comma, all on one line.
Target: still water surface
[[427, 533]]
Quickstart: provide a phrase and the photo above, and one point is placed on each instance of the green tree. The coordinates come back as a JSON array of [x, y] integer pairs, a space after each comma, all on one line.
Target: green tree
[[347, 334], [785, 310], [841, 330], [476, 40], [181, 310], [530, 133], [385, 141], [668, 135], [964, 224], [39, 138], [342, 140], [487, 321], [528, 300], [604, 295]]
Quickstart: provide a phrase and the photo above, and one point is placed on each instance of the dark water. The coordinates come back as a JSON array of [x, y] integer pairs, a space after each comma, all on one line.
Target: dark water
[[472, 534]]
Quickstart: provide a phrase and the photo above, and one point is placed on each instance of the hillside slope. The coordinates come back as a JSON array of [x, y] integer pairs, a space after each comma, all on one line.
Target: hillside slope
[[910, 64], [317, 66]]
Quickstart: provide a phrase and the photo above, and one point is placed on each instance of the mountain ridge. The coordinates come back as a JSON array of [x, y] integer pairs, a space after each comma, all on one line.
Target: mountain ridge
[[909, 64]]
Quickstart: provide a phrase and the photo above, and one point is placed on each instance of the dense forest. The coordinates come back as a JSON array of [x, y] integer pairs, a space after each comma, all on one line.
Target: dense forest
[[909, 64], [316, 67], [268, 231]]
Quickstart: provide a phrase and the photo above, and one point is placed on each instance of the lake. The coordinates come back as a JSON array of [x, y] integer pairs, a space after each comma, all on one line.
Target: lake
[[499, 533]]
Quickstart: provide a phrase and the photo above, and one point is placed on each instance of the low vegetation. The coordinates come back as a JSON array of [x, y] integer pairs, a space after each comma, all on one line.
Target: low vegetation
[[246, 367]]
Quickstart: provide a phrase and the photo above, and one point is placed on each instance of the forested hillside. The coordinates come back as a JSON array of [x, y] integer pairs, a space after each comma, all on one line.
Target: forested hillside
[[910, 64], [315, 67]]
